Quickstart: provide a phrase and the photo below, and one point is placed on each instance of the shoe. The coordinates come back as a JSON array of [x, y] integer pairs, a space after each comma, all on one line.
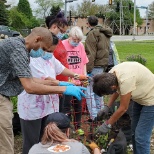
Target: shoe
[[80, 132]]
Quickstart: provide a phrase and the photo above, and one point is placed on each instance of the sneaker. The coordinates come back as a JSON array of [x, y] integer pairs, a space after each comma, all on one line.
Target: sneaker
[[80, 132]]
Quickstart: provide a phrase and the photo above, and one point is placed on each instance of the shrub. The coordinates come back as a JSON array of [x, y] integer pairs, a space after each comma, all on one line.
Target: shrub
[[137, 58], [14, 102]]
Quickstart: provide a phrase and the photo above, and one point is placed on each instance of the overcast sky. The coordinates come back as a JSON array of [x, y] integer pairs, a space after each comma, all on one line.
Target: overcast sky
[[138, 3]]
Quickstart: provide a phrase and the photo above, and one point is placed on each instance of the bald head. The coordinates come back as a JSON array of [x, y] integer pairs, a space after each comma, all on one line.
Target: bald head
[[39, 37], [44, 33]]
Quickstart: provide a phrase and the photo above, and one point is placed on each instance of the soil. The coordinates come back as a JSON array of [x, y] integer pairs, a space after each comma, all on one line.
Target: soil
[[89, 129], [18, 144]]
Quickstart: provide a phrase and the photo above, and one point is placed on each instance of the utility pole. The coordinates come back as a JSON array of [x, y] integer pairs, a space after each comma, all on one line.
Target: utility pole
[[122, 19], [67, 1], [146, 31], [134, 31], [146, 28], [120, 15], [65, 9]]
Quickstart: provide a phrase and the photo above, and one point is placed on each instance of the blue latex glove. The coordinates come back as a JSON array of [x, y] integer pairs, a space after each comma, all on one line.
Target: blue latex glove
[[75, 91], [89, 74], [62, 83]]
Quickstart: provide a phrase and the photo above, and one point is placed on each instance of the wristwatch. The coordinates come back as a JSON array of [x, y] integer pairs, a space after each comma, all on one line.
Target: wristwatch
[[108, 125]]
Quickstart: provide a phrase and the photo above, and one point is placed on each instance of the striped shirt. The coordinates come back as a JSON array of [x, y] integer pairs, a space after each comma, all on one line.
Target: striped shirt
[[14, 64]]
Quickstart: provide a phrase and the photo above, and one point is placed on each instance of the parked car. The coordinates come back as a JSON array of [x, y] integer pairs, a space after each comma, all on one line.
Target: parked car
[[5, 30]]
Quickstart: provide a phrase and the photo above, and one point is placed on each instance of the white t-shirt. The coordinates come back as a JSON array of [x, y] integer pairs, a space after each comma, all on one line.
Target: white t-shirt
[[137, 79], [32, 107]]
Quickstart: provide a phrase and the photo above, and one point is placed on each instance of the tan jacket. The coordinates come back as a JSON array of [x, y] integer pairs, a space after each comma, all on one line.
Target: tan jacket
[[97, 46]]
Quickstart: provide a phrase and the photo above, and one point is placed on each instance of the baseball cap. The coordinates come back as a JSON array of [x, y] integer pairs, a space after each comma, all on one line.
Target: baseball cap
[[60, 119]]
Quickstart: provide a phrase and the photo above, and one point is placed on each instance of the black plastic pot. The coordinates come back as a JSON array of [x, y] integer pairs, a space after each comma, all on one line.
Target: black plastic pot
[[16, 124]]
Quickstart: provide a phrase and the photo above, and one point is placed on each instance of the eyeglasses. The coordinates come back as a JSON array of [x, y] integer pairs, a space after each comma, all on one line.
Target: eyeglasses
[[61, 30]]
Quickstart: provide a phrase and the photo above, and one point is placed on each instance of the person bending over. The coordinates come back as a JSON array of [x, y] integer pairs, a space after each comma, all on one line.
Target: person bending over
[[129, 80]]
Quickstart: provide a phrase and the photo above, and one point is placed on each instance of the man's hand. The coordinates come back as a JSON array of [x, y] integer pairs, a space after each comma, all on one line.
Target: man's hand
[[103, 129], [85, 83], [93, 146], [103, 112], [75, 91], [62, 83], [80, 77]]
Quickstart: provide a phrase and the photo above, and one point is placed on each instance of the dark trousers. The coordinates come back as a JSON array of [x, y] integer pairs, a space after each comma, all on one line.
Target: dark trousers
[[75, 111], [61, 102], [32, 131]]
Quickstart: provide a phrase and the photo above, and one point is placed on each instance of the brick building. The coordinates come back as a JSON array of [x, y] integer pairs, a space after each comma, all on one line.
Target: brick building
[[140, 30], [82, 23]]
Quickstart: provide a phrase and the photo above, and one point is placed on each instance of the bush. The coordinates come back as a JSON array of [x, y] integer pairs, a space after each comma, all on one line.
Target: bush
[[14, 102], [137, 58]]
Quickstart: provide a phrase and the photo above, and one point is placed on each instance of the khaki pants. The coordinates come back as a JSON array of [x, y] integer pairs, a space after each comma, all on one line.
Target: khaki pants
[[6, 131]]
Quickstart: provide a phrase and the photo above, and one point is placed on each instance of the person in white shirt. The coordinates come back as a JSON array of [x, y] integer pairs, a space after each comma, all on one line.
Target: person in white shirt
[[34, 109]]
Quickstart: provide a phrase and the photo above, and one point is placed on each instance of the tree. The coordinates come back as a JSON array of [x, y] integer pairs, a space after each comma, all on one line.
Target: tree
[[33, 22], [73, 10], [3, 14], [20, 21], [16, 19], [44, 6], [151, 10], [87, 8], [127, 16], [54, 10], [102, 9], [4, 2], [24, 7], [109, 13]]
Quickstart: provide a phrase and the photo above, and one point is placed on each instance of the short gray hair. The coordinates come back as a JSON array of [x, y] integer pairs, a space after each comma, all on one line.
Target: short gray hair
[[76, 32]]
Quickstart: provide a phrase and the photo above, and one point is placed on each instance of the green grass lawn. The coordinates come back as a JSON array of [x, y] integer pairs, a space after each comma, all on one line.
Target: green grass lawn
[[144, 48]]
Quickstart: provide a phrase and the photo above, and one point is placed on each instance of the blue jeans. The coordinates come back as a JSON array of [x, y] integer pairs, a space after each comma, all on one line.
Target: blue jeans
[[142, 125], [94, 102]]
